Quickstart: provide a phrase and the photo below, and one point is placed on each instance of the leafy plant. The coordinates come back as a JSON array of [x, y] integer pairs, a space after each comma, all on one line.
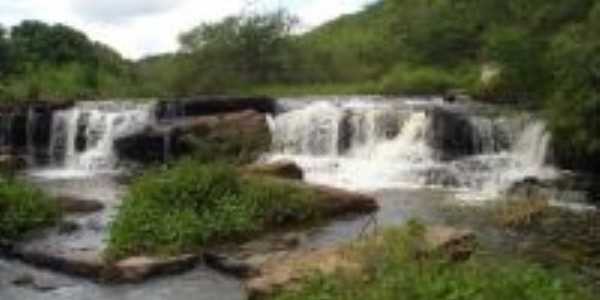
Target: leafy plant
[[192, 204], [22, 209]]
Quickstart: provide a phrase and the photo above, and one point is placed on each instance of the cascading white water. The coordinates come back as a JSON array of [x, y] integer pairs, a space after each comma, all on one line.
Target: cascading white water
[[389, 146], [82, 138]]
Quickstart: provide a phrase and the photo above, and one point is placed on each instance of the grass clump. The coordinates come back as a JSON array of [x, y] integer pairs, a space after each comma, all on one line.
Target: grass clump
[[23, 209], [392, 269], [191, 204], [518, 212]]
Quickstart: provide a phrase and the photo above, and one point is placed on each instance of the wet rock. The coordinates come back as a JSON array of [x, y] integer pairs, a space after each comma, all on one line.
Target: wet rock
[[335, 202], [38, 284], [280, 169], [457, 95], [451, 134], [11, 163], [84, 263], [230, 265], [72, 205], [68, 227], [137, 269], [23, 280], [239, 133]]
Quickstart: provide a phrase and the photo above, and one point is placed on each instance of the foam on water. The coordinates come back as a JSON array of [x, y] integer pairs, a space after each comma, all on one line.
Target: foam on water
[[381, 145], [82, 138]]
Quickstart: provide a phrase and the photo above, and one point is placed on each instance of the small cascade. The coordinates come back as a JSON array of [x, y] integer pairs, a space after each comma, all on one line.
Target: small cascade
[[397, 145], [82, 138]]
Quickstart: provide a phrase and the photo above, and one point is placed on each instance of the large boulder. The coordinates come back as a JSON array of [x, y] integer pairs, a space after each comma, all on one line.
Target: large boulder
[[240, 135]]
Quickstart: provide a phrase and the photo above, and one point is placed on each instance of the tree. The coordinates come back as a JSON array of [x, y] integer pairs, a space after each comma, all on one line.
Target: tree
[[5, 59], [250, 49]]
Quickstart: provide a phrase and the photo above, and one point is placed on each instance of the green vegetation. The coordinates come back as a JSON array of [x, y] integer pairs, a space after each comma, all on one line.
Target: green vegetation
[[22, 209], [544, 52], [55, 62], [191, 204], [391, 270]]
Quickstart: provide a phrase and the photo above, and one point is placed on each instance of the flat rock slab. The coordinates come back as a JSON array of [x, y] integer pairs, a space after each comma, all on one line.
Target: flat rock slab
[[90, 264], [137, 269], [72, 205]]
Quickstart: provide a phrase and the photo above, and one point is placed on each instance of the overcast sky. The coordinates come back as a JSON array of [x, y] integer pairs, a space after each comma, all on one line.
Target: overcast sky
[[141, 27]]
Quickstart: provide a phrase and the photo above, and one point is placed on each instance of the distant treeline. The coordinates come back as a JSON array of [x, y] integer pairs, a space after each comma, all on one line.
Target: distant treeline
[[48, 62], [541, 53]]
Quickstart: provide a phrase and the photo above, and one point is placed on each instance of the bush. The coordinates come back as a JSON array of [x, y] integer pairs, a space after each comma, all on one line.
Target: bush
[[391, 271], [22, 209], [186, 207]]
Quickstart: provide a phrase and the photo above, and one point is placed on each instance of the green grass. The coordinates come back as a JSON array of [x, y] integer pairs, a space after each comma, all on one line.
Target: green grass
[[192, 204], [391, 272], [23, 209], [317, 89]]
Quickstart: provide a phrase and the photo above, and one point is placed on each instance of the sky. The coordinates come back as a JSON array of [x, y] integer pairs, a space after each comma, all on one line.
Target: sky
[[137, 28]]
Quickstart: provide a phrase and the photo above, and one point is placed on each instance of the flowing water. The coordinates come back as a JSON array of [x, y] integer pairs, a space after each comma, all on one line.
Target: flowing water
[[82, 138], [369, 145], [414, 155]]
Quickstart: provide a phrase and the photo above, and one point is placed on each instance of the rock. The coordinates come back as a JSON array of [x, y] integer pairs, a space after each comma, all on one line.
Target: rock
[[280, 169], [244, 132], [79, 206], [23, 280], [38, 284], [88, 264], [68, 227], [288, 269], [230, 265], [458, 244], [11, 163], [335, 202], [451, 134], [457, 95], [137, 269]]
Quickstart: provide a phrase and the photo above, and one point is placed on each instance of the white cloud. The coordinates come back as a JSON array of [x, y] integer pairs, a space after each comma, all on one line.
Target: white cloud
[[118, 10], [142, 27]]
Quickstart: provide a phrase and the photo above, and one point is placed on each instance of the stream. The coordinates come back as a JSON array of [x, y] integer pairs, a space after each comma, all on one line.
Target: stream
[[420, 157]]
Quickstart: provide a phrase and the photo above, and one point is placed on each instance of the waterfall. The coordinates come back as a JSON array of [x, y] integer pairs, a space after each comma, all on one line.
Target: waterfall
[[82, 138], [394, 144]]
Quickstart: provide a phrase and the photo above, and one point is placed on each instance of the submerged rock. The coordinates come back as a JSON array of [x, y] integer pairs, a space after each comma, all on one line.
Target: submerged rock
[[72, 205]]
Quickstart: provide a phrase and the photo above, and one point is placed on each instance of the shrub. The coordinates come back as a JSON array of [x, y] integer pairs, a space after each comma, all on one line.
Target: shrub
[[391, 271], [191, 204], [22, 209]]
